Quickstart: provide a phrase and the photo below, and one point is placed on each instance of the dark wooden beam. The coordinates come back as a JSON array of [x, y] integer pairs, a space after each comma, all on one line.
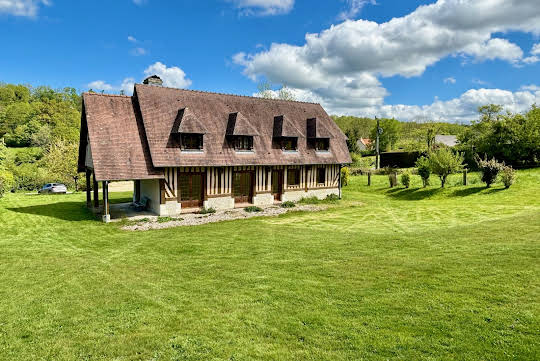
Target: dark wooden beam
[[88, 188], [96, 190], [106, 214]]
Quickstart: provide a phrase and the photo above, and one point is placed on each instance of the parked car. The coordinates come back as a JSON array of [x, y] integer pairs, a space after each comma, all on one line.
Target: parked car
[[53, 188]]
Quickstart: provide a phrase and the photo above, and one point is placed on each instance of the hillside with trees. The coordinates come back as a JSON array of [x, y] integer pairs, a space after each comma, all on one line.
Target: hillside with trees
[[39, 135]]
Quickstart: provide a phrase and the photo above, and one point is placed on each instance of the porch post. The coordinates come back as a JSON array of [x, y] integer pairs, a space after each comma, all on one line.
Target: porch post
[[106, 215], [88, 187], [96, 191]]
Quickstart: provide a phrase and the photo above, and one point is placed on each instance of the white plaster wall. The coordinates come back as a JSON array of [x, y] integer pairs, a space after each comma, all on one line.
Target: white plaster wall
[[150, 190], [219, 203], [295, 196], [170, 209], [263, 199]]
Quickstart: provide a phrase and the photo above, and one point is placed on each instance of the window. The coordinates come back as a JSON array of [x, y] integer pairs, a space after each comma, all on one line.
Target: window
[[191, 141], [322, 144], [321, 175], [293, 177], [289, 144], [243, 143]]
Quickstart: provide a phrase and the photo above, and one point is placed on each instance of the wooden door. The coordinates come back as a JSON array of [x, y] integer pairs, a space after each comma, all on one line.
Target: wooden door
[[243, 187], [277, 184], [191, 189]]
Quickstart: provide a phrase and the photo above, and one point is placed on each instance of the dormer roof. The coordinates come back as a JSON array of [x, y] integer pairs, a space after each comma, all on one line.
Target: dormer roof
[[284, 127], [187, 122], [240, 125], [317, 129]]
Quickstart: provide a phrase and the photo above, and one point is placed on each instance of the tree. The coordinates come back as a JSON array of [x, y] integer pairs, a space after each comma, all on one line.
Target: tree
[[390, 136], [424, 170], [61, 161], [490, 112], [444, 162]]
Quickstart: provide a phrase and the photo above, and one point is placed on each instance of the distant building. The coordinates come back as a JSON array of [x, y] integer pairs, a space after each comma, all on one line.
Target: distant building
[[363, 143], [448, 140]]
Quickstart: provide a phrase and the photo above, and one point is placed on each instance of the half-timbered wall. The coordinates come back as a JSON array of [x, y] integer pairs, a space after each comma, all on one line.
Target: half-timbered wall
[[218, 181]]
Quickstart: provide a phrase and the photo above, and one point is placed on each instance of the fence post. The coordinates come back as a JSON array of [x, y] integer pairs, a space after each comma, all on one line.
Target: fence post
[[369, 178], [465, 177]]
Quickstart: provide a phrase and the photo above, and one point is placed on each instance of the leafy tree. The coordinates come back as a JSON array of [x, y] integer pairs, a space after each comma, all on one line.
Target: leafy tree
[[266, 91], [61, 161], [490, 169], [444, 162], [424, 170], [490, 112], [390, 136]]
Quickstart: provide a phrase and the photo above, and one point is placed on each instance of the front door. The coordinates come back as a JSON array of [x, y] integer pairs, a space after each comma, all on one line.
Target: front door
[[191, 189], [277, 184], [243, 187]]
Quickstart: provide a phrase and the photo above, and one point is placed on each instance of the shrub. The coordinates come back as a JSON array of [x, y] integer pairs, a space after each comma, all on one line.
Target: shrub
[[424, 170], [332, 198], [6, 182], [345, 173], [207, 210], [444, 162], [406, 179], [252, 209], [166, 219], [288, 204], [309, 200], [490, 169], [508, 176], [392, 178]]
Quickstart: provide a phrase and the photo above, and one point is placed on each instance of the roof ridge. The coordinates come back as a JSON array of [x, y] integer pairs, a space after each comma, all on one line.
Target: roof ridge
[[233, 95], [107, 95]]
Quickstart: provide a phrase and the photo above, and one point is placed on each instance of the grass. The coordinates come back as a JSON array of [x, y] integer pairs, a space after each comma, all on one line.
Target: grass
[[400, 274]]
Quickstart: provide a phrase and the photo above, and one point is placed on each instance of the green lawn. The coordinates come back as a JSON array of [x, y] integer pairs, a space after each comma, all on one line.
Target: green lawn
[[386, 274]]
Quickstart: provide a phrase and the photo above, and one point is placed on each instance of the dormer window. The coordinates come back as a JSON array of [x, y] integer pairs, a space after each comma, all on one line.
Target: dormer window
[[322, 144], [191, 141], [243, 143], [289, 144]]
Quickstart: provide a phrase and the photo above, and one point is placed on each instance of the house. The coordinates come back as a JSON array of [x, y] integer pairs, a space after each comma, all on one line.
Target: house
[[363, 144], [188, 149], [448, 140]]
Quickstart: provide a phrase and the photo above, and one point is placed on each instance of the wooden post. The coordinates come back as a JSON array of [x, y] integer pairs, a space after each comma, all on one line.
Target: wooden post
[[96, 190], [465, 177], [369, 179], [88, 188], [106, 215]]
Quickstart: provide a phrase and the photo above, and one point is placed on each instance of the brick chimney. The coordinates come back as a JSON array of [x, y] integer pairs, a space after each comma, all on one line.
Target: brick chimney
[[153, 80]]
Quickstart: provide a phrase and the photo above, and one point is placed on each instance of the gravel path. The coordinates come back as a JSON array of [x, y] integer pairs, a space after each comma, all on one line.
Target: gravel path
[[193, 219]]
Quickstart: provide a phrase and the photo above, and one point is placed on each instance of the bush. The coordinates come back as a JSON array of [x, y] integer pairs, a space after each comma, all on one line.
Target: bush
[[6, 182], [490, 169], [345, 173], [392, 178], [167, 219], [406, 179], [252, 209], [332, 198], [207, 210], [444, 162], [508, 176], [424, 170], [288, 204]]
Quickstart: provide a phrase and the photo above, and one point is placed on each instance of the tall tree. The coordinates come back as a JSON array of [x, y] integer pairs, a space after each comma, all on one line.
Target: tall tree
[[390, 135]]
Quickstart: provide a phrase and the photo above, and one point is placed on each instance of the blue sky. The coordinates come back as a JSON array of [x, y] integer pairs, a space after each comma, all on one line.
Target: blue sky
[[415, 60]]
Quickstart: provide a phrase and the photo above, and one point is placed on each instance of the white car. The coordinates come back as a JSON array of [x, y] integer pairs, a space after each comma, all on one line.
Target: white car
[[53, 188]]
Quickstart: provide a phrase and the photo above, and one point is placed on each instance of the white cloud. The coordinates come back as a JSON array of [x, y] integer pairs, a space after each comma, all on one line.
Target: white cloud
[[138, 51], [354, 8], [264, 7], [28, 8], [536, 49], [450, 80], [173, 77], [131, 39], [340, 66], [101, 85]]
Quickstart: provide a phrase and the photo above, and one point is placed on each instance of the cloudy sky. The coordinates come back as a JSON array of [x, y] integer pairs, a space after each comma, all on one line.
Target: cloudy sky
[[414, 60]]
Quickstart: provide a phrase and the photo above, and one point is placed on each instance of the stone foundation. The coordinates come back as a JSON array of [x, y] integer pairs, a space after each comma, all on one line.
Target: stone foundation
[[295, 196], [170, 209], [219, 203], [263, 199]]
